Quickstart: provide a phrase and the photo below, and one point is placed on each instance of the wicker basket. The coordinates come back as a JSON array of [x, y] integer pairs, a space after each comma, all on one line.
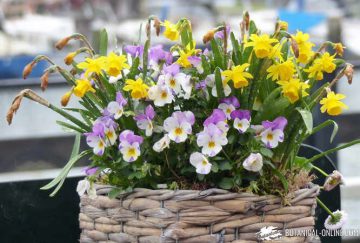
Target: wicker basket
[[212, 215]]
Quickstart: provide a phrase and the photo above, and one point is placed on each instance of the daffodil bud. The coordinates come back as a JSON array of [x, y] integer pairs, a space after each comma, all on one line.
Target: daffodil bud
[[157, 25], [45, 80], [63, 42], [246, 19], [208, 36], [294, 47], [349, 72], [28, 69], [69, 58], [283, 25], [66, 98], [339, 49]]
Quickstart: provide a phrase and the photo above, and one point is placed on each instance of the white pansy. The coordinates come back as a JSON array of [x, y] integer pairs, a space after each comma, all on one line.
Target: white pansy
[[271, 138], [161, 95], [147, 125], [178, 132], [82, 187], [162, 144], [227, 109], [241, 125], [110, 136], [97, 143], [130, 152], [211, 140], [200, 162], [115, 109], [254, 162]]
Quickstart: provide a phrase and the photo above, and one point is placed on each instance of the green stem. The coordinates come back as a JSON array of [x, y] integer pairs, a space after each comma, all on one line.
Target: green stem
[[324, 207], [320, 170], [69, 117], [333, 150], [227, 156]]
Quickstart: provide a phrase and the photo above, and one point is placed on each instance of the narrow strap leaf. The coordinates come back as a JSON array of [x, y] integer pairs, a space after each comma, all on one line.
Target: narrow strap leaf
[[325, 124], [307, 118], [103, 42], [218, 83]]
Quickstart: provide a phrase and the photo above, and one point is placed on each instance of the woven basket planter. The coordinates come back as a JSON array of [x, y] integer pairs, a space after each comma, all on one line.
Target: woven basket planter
[[212, 215]]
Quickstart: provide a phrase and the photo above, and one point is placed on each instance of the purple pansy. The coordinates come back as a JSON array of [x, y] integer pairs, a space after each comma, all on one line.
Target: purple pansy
[[273, 132], [134, 50], [241, 120], [130, 145], [229, 104], [144, 120]]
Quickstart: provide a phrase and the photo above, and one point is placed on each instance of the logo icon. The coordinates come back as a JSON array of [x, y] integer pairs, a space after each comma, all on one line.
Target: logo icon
[[269, 233]]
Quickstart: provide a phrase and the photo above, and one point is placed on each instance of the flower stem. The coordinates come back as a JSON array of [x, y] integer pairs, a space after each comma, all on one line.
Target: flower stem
[[320, 170], [325, 208]]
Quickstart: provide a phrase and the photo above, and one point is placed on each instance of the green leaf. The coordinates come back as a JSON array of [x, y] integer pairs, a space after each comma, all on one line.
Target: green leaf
[[71, 127], [236, 49], [219, 60], [226, 183], [282, 178], [134, 68], [103, 42], [307, 118], [266, 152], [145, 58], [205, 64], [65, 171], [219, 84], [252, 28], [225, 165], [214, 167], [325, 124], [301, 162]]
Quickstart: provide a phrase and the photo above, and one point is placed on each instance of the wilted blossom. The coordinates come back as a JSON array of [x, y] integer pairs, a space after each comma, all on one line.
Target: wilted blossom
[[217, 118], [200, 162], [211, 139], [85, 186], [144, 120], [102, 135], [273, 132], [179, 125], [241, 120], [228, 105], [196, 63], [254, 162], [134, 50], [177, 81], [334, 179], [116, 108], [130, 145], [162, 144], [210, 81], [336, 222]]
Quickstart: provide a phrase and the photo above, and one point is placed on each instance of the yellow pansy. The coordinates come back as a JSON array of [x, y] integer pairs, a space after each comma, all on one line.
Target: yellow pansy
[[262, 44], [92, 65], [138, 88], [238, 75], [171, 30], [332, 104], [305, 46], [293, 89], [83, 86], [281, 71], [323, 64], [115, 64]]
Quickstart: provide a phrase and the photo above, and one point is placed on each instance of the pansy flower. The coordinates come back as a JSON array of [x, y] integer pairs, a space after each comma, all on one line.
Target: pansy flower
[[211, 139], [160, 94], [200, 162], [196, 63], [177, 81], [273, 132], [217, 118], [210, 81], [241, 120], [130, 145], [144, 120], [179, 125], [228, 105], [115, 108], [254, 162], [162, 144]]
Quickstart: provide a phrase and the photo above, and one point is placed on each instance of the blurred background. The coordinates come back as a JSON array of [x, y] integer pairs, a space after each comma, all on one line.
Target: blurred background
[[35, 147]]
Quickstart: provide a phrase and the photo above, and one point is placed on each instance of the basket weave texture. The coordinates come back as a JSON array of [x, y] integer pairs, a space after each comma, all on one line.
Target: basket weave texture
[[213, 215]]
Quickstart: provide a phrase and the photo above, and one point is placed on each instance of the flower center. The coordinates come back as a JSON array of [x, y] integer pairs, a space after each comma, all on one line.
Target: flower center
[[178, 131], [172, 82], [211, 144], [164, 95], [204, 162], [131, 152], [100, 144], [269, 136], [228, 110], [239, 125]]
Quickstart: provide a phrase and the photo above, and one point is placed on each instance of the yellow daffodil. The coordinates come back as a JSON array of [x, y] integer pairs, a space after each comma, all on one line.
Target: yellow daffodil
[[281, 71], [283, 25], [83, 86], [238, 75], [171, 30], [339, 49], [293, 89], [332, 104], [92, 65], [275, 52], [185, 54], [262, 44], [323, 64], [115, 64], [305, 46], [138, 88]]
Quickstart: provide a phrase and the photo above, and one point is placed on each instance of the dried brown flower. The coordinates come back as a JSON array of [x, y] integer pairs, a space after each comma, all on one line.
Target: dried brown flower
[[45, 80], [63, 42], [208, 36], [349, 72]]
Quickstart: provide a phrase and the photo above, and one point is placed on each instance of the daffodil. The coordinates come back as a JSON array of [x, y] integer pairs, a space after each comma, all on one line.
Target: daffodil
[[82, 87], [262, 44], [332, 104], [138, 88], [92, 65], [281, 71], [275, 52], [323, 64], [305, 46], [171, 30], [185, 54], [115, 64], [293, 89], [238, 75]]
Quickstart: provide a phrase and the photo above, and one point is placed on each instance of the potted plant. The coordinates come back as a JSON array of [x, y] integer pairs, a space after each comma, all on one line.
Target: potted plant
[[191, 145]]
